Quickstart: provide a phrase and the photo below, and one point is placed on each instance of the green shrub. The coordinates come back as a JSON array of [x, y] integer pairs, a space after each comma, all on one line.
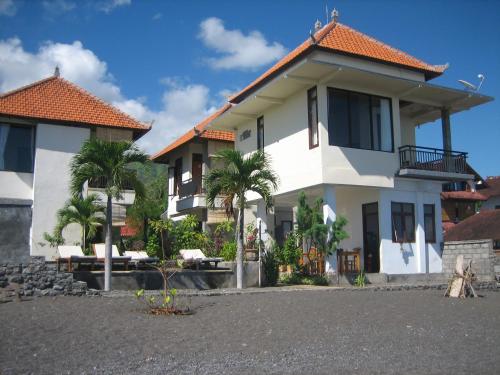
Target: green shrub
[[292, 251], [228, 251], [360, 280], [298, 279], [153, 247], [270, 265]]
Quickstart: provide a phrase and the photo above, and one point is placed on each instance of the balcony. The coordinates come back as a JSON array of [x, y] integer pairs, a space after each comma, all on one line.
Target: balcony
[[97, 186], [192, 196], [433, 163]]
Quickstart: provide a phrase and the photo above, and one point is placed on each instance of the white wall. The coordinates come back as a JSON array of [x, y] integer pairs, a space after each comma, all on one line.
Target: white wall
[[55, 146], [286, 142], [491, 203], [15, 185], [416, 257]]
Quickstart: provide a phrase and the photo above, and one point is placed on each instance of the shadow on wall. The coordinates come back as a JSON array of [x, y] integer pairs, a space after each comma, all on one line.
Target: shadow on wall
[[407, 253]]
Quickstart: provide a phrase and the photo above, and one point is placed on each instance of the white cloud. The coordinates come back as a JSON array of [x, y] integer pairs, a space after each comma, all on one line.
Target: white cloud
[[236, 50], [183, 104], [108, 6], [56, 7], [7, 8], [157, 16]]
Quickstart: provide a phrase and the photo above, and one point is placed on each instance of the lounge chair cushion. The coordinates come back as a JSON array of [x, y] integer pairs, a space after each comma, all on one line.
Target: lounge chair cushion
[[66, 251], [100, 252], [192, 254], [140, 255]]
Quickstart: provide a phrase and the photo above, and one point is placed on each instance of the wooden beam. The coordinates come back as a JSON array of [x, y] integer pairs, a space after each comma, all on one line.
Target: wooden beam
[[270, 99]]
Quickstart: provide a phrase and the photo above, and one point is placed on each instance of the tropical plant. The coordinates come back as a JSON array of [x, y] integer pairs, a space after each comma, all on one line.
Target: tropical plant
[[109, 162], [292, 249], [220, 236], [270, 265], [88, 212], [300, 279], [228, 251], [238, 176], [360, 280]]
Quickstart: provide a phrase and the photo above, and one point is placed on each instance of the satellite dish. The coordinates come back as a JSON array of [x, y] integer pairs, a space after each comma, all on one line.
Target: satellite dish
[[470, 87]]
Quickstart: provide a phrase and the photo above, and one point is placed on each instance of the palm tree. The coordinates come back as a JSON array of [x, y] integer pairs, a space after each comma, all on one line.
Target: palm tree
[[236, 177], [109, 162], [87, 212]]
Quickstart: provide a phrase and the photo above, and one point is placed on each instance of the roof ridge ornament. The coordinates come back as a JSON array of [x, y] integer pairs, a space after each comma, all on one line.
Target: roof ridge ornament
[[317, 25], [57, 73], [335, 15]]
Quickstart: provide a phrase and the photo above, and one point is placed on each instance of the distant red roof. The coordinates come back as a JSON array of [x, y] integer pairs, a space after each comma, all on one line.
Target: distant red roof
[[201, 131], [493, 187], [337, 37], [463, 195], [56, 99], [484, 225]]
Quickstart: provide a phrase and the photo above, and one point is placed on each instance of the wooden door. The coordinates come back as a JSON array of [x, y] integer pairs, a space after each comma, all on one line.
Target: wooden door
[[197, 172], [371, 238]]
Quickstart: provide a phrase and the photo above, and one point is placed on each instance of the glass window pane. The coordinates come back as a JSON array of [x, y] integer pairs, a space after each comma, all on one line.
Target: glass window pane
[[409, 228], [408, 208], [360, 121], [338, 118], [313, 117], [16, 148], [385, 125]]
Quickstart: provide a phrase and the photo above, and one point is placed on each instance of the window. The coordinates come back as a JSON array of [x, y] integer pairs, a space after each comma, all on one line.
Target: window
[[359, 120], [260, 133], [312, 114], [403, 222], [430, 223], [177, 175], [17, 148]]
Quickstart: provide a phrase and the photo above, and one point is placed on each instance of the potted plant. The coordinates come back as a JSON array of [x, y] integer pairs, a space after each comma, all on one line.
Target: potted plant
[[251, 249]]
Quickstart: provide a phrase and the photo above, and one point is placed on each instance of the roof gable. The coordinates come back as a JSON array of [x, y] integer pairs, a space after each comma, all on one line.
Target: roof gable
[[200, 130], [56, 99], [339, 38]]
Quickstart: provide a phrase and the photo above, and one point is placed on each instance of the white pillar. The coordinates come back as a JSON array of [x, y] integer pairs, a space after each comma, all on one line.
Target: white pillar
[[420, 235], [262, 220], [329, 216]]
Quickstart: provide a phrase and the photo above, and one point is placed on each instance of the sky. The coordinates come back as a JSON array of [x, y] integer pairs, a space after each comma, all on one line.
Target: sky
[[175, 62]]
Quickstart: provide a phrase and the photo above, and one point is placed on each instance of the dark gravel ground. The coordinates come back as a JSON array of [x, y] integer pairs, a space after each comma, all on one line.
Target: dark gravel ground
[[301, 332]]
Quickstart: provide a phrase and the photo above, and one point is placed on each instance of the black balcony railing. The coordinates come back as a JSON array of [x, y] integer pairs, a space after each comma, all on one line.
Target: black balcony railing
[[101, 182], [189, 187], [432, 159]]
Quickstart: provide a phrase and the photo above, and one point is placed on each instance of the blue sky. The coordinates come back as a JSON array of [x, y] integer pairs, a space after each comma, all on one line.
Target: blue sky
[[173, 61]]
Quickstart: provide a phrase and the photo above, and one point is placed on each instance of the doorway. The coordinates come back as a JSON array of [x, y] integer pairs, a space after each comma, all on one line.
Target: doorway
[[371, 238]]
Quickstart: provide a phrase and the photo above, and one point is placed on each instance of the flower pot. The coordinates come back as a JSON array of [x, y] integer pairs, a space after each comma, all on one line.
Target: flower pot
[[251, 254]]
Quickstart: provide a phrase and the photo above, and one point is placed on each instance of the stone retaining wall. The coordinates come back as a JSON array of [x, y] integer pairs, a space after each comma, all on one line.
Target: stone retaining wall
[[480, 251], [38, 278]]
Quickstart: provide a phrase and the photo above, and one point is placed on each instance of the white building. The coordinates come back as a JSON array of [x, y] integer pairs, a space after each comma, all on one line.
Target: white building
[[189, 160], [42, 126], [337, 116]]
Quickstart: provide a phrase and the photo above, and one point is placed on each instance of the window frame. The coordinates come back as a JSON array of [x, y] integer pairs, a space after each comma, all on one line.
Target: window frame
[[403, 215], [309, 119], [33, 146], [260, 125], [433, 218], [331, 89]]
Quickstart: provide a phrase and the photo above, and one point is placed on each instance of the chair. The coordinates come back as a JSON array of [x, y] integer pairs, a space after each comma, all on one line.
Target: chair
[[72, 254], [197, 257], [100, 252], [140, 257]]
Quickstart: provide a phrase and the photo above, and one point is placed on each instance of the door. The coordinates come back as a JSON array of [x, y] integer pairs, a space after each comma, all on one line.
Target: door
[[197, 172], [371, 239]]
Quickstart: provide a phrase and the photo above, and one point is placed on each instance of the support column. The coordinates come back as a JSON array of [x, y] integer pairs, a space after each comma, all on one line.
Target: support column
[[329, 216], [446, 128], [421, 250], [262, 221]]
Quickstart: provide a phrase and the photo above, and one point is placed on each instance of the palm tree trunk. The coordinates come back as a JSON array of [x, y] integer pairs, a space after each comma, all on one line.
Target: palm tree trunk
[[108, 243], [239, 249], [83, 239]]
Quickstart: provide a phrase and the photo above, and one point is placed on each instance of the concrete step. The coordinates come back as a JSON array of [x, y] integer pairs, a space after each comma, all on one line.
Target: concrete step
[[403, 279]]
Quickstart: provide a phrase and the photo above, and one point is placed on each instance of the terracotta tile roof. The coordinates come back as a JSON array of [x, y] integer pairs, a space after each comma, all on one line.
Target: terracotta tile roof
[[492, 187], [447, 225], [336, 37], [484, 225], [463, 195], [56, 99], [201, 131]]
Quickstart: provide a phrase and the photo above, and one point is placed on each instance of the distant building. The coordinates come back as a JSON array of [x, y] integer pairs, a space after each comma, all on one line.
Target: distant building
[[492, 194], [42, 126]]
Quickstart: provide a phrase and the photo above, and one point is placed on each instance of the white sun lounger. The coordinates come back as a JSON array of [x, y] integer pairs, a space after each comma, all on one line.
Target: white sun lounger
[[196, 256], [100, 252], [139, 257], [72, 254]]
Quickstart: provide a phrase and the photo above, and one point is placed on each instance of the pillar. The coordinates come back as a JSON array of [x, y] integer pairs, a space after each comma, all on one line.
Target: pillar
[[421, 246], [446, 128], [329, 216], [262, 221]]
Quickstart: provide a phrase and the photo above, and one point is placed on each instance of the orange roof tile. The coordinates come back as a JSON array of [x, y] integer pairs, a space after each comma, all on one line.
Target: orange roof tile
[[463, 195], [201, 131], [336, 37], [56, 99]]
